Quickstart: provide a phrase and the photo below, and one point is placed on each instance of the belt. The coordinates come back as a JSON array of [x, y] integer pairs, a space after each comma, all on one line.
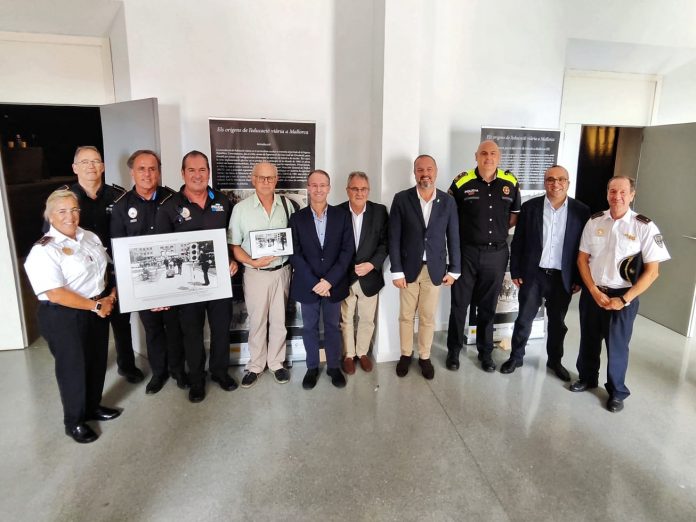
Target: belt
[[613, 292], [272, 269], [550, 271]]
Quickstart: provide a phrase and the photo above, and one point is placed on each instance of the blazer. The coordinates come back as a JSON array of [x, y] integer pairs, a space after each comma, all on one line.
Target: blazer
[[311, 262], [409, 237], [372, 247], [528, 241]]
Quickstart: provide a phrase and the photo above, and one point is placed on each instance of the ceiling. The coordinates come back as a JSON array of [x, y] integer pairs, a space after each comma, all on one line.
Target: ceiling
[[68, 17], [594, 55]]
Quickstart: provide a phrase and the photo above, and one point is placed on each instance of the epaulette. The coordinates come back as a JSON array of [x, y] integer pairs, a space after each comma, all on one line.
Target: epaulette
[[121, 191], [597, 214], [508, 176], [64, 187], [643, 219], [463, 178], [44, 241], [166, 193], [457, 178]]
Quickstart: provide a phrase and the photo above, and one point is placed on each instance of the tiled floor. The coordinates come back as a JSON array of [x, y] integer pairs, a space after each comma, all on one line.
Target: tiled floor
[[466, 446]]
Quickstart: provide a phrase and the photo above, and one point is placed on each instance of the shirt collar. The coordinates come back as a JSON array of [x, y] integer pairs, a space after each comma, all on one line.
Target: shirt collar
[[356, 214], [60, 237], [257, 201], [550, 206], [423, 199]]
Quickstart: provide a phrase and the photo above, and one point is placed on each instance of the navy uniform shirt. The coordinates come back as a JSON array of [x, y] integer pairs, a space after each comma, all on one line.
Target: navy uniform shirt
[[178, 214], [134, 216], [484, 208]]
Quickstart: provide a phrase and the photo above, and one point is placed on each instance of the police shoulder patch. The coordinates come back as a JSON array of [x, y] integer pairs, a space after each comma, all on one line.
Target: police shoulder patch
[[597, 214], [643, 219], [44, 240]]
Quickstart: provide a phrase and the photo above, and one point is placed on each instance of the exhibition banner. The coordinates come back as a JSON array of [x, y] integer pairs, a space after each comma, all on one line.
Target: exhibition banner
[[525, 152], [236, 145]]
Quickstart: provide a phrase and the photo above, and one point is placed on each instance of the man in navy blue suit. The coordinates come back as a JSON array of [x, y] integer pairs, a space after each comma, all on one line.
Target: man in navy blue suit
[[423, 230], [543, 266], [323, 250]]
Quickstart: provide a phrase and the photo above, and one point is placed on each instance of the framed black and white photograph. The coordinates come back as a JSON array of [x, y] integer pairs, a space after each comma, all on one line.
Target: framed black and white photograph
[[273, 242], [171, 269]]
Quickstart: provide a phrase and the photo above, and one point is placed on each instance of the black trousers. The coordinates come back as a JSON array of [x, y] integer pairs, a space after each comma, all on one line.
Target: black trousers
[[163, 337], [192, 318], [483, 271], [78, 340], [615, 327], [120, 324], [546, 286]]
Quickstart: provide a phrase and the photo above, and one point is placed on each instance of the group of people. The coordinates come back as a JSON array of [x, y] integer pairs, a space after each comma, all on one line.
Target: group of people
[[432, 238]]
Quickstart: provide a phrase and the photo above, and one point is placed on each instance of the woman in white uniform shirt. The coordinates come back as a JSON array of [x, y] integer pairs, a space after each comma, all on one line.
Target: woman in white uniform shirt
[[67, 270]]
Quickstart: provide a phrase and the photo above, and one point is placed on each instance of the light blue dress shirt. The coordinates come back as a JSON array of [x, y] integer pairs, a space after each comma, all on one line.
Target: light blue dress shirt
[[554, 234]]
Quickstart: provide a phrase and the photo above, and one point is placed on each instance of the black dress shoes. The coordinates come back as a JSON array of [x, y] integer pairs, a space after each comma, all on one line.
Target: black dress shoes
[[81, 433], [614, 405], [510, 365], [102, 413], [182, 380], [488, 365], [559, 370], [581, 386], [452, 361], [337, 377], [402, 365], [132, 375], [197, 392], [310, 378], [426, 368], [155, 384], [226, 382]]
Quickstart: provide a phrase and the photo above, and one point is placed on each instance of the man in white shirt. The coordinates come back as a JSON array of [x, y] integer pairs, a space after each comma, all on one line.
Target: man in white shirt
[[620, 253], [543, 265]]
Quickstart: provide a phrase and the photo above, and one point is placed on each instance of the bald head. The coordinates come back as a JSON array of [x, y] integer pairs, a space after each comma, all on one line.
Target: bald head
[[487, 158]]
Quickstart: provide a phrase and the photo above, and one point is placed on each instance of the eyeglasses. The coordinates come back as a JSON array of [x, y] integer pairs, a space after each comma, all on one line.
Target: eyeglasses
[[266, 179], [359, 190], [65, 211], [87, 163], [551, 181], [321, 186]]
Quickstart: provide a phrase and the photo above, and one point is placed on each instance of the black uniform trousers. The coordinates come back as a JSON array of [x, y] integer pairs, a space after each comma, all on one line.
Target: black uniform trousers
[[547, 285], [123, 339], [163, 338], [483, 271], [615, 327], [78, 340], [192, 317]]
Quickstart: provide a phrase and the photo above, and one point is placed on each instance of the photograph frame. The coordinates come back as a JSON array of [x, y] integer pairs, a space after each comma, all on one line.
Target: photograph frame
[[271, 242], [162, 270]]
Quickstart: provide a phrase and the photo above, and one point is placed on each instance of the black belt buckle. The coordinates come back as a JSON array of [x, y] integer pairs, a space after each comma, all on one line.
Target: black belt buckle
[[273, 269]]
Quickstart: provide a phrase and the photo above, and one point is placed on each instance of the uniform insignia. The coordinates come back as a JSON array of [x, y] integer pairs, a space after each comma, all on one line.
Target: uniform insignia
[[132, 212], [217, 207], [44, 241], [659, 241], [458, 177], [67, 251], [63, 187], [597, 214], [506, 190], [600, 231], [643, 219], [121, 192], [630, 236], [185, 213]]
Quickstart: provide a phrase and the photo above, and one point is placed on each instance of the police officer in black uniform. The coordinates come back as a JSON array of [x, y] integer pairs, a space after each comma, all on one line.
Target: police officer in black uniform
[[488, 201], [134, 215], [198, 207], [96, 200]]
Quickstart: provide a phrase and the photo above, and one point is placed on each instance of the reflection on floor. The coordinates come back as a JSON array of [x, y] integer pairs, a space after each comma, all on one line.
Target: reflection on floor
[[465, 446]]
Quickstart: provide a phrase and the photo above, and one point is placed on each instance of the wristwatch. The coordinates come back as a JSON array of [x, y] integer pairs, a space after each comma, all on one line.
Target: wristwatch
[[97, 307], [625, 303]]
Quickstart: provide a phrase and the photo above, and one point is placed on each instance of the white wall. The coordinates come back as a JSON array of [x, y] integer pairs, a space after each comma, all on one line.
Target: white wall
[[55, 69], [299, 59], [677, 99]]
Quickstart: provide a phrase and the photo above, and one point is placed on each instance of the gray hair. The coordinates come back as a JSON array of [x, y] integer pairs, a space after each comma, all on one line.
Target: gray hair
[[85, 147], [357, 174], [631, 181]]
